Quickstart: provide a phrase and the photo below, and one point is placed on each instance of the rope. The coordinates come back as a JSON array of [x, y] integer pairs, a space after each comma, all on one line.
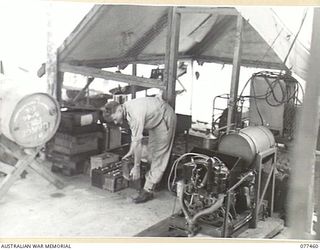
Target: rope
[[296, 36]]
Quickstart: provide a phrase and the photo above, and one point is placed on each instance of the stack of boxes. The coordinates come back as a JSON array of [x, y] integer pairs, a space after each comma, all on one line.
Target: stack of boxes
[[78, 137]]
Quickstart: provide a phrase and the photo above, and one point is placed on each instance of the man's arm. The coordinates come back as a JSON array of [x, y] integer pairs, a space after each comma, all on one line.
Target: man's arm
[[136, 147], [136, 125]]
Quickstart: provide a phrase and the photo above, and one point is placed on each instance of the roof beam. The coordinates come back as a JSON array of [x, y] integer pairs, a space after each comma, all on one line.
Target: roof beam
[[159, 59], [98, 73], [112, 62], [244, 62], [208, 10], [214, 35]]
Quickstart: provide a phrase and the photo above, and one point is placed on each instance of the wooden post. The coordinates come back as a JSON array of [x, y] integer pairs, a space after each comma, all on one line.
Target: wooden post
[[235, 73], [171, 56], [133, 88], [59, 85], [54, 77], [303, 155]]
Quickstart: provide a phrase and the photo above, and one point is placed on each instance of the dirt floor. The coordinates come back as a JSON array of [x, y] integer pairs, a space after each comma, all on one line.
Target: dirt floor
[[35, 208]]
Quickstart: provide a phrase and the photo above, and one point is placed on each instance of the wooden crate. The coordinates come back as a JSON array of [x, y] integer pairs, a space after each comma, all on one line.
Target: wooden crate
[[68, 144], [74, 158], [67, 140], [78, 118], [90, 145], [69, 168], [70, 164], [81, 130]]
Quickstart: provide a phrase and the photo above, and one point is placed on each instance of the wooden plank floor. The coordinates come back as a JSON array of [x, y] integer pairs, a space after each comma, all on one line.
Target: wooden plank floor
[[266, 229]]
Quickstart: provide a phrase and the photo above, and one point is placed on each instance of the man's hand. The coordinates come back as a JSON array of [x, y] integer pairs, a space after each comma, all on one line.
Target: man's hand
[[135, 173]]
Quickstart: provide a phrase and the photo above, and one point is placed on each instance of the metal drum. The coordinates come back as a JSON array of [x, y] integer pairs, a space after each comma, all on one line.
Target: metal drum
[[247, 143], [28, 116]]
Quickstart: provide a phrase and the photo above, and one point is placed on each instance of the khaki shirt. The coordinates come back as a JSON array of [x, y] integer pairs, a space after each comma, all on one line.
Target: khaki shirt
[[143, 113]]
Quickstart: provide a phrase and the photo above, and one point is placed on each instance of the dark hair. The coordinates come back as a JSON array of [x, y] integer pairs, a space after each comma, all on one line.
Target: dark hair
[[110, 108]]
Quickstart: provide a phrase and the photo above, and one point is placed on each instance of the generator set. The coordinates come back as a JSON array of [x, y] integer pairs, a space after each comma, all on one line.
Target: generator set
[[222, 192]]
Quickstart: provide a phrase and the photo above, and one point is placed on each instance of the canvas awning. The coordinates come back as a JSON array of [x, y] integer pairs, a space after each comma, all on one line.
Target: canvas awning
[[112, 35]]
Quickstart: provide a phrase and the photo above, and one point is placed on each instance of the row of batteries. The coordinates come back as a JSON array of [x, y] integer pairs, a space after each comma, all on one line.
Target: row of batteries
[[116, 169]]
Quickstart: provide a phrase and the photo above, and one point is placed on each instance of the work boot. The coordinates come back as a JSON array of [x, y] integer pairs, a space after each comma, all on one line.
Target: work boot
[[143, 196]]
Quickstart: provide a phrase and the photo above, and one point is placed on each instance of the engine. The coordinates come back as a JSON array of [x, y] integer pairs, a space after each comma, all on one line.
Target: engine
[[204, 180], [205, 196], [222, 190]]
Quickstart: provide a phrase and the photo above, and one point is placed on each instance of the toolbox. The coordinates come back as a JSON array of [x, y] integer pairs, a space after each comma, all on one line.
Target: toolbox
[[109, 177], [102, 160]]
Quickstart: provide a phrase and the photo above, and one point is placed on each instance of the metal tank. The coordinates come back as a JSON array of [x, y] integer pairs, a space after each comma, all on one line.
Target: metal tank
[[247, 143], [28, 118]]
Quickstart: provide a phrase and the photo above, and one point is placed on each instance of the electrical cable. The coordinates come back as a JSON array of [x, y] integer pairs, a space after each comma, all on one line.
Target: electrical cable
[[280, 82], [285, 97], [270, 91]]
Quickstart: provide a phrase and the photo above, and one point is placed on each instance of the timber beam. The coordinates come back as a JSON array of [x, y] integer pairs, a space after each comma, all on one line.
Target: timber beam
[[98, 73], [113, 62]]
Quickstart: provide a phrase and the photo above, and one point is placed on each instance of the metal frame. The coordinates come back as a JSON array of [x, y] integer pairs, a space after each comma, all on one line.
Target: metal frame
[[258, 198], [225, 232]]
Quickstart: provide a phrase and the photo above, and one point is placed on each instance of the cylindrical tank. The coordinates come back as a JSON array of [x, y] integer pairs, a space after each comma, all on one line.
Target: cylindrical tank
[[29, 119], [247, 143]]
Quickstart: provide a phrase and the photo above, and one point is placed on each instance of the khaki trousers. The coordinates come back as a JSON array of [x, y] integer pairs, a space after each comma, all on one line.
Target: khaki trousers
[[160, 145]]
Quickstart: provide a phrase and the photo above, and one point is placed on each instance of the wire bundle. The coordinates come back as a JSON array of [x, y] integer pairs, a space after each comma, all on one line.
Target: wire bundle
[[273, 80]]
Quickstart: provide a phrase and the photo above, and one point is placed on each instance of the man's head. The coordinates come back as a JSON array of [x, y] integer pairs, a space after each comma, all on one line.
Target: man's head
[[113, 112]]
